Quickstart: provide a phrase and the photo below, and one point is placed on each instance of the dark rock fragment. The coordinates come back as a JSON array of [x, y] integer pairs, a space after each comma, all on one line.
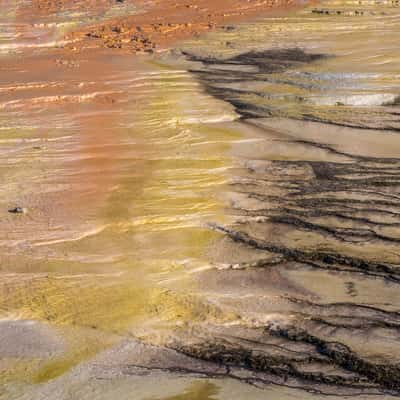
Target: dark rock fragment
[[17, 210]]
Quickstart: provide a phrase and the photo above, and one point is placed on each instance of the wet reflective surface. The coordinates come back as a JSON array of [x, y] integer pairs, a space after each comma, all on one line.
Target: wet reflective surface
[[353, 79], [312, 256], [220, 224]]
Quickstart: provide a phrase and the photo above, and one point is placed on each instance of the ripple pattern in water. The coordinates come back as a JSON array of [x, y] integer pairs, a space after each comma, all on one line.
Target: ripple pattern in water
[[119, 163], [166, 241], [354, 82], [311, 263]]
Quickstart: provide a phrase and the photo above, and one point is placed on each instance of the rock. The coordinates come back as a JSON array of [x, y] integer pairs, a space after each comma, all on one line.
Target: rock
[[18, 210]]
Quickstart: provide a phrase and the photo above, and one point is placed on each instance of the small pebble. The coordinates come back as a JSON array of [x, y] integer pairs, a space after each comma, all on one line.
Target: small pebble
[[18, 210]]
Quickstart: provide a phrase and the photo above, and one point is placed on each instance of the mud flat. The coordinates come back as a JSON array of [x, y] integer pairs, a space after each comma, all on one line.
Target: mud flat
[[310, 264], [219, 221]]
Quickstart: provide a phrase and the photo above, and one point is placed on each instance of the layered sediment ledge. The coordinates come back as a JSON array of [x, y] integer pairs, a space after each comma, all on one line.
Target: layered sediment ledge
[[314, 266], [156, 24]]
